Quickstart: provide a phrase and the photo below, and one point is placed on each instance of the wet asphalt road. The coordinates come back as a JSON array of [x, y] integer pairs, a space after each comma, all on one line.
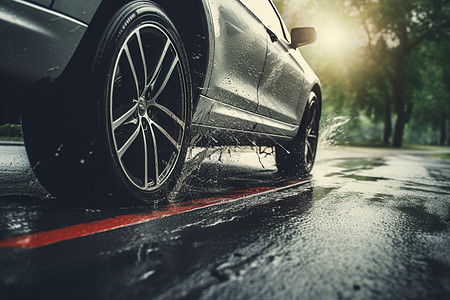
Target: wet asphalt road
[[369, 224]]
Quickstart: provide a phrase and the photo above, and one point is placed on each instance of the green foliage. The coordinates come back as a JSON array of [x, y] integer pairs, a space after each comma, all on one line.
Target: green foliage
[[432, 99], [10, 132], [396, 62]]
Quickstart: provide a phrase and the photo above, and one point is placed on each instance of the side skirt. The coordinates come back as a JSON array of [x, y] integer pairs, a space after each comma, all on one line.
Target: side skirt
[[222, 124]]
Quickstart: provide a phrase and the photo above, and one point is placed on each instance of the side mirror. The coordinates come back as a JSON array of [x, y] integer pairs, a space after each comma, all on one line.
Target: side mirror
[[301, 36]]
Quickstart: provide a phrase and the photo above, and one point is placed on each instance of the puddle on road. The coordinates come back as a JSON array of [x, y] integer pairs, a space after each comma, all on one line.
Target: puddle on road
[[423, 220], [361, 164], [212, 174], [348, 223], [364, 178]]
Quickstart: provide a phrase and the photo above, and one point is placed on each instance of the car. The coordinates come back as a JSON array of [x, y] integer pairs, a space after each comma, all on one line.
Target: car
[[110, 94]]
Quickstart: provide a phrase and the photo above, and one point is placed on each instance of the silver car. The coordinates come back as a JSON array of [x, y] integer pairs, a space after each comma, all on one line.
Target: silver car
[[111, 93]]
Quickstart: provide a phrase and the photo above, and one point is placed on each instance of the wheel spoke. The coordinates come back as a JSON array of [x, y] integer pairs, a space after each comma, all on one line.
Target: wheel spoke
[[145, 159], [133, 70], [160, 62], [124, 117], [311, 136], [129, 142], [156, 158], [144, 61], [170, 114], [166, 79], [167, 135], [309, 148]]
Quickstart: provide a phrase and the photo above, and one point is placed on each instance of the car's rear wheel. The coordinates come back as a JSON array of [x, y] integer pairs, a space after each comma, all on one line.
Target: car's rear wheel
[[127, 137], [297, 157]]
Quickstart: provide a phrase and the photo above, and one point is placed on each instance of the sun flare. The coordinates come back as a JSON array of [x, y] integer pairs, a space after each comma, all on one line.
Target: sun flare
[[335, 38]]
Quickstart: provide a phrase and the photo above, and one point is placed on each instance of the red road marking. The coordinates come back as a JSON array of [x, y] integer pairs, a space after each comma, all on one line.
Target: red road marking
[[39, 239]]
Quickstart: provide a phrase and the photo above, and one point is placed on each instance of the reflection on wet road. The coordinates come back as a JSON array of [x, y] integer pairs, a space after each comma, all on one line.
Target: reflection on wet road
[[367, 224]]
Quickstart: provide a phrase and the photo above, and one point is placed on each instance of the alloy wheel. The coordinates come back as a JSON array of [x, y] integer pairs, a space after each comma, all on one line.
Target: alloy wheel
[[312, 133], [148, 107]]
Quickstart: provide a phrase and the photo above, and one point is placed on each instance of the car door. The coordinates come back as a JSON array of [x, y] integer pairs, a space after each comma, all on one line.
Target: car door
[[281, 85], [240, 46]]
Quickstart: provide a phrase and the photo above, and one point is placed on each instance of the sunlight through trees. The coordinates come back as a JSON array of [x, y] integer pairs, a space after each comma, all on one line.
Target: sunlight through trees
[[384, 59]]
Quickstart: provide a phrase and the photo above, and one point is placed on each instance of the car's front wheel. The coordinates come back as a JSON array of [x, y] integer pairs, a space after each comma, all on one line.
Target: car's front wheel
[[129, 133], [297, 157]]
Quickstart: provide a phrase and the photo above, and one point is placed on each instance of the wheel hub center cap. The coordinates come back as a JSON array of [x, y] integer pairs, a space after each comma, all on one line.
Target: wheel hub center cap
[[142, 106]]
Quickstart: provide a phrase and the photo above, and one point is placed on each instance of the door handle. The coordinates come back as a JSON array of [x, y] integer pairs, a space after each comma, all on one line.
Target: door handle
[[272, 35]]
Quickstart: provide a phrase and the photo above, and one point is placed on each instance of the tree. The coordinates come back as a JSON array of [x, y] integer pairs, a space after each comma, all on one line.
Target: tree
[[384, 74], [394, 31], [433, 100]]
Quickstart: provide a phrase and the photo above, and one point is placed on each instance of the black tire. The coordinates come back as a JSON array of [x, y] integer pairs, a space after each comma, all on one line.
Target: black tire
[[127, 133], [297, 157]]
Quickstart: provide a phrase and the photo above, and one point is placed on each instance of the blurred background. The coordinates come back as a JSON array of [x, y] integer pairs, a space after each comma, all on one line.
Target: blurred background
[[384, 67]]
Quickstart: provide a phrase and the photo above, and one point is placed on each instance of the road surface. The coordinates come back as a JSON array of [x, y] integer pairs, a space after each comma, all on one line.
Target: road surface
[[368, 224]]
